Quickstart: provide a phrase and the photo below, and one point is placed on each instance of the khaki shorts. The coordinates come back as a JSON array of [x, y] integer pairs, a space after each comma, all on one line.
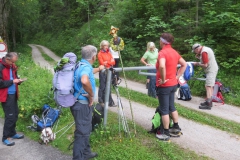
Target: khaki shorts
[[210, 78]]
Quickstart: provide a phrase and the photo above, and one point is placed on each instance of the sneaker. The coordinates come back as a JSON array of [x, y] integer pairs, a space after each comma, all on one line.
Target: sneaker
[[18, 136], [91, 155], [174, 130], [8, 143], [163, 137]]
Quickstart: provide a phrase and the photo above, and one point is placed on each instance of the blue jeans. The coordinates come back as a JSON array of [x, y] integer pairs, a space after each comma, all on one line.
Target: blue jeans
[[152, 84]]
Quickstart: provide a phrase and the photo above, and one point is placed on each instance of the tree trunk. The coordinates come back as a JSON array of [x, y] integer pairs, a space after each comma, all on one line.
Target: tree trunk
[[197, 5]]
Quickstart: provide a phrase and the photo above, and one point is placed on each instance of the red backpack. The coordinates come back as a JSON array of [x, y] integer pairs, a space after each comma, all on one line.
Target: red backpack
[[217, 94]]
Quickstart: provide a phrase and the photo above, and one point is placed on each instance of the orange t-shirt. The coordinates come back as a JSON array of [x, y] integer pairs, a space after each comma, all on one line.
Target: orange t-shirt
[[105, 58], [172, 57]]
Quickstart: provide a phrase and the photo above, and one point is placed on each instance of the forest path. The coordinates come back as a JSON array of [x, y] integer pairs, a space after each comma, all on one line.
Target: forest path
[[202, 139]]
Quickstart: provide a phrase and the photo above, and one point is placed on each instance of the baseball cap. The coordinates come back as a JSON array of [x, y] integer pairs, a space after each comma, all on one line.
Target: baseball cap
[[195, 46]]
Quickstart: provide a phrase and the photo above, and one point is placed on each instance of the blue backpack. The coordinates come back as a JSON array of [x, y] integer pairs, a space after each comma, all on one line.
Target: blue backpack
[[189, 72], [185, 93], [49, 117]]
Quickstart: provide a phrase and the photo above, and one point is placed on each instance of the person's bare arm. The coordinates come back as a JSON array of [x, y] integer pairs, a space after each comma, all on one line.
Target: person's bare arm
[[162, 69], [95, 70], [144, 61], [182, 68], [88, 88]]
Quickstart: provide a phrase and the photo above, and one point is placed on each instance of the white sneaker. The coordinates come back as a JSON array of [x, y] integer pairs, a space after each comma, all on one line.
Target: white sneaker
[[163, 137]]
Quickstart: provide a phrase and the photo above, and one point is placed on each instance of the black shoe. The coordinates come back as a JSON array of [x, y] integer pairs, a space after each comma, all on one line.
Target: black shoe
[[203, 104], [205, 107], [91, 155]]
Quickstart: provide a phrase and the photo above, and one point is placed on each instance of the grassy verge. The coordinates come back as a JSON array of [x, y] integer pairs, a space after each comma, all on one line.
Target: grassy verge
[[107, 143]]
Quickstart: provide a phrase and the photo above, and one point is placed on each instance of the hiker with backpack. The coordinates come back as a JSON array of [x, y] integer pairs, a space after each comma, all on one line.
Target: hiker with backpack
[[106, 59], [84, 83], [166, 83], [9, 94], [149, 59], [210, 66]]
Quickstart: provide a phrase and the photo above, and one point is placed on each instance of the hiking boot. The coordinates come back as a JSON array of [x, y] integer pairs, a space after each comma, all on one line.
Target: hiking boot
[[91, 155], [18, 136], [113, 105], [207, 105], [163, 137], [203, 104], [8, 143], [174, 130]]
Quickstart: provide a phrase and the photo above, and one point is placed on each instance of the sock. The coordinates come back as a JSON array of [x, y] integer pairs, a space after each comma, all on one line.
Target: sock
[[175, 125], [166, 131]]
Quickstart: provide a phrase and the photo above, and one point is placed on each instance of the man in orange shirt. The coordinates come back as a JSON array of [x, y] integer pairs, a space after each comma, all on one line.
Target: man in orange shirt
[[105, 58], [209, 64]]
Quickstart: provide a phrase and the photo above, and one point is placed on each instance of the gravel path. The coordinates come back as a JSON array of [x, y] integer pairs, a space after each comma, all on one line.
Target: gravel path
[[202, 139]]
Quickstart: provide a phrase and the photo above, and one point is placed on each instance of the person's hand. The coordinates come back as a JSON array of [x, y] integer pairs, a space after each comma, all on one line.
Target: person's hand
[[90, 99], [197, 56], [196, 64], [148, 64], [101, 67], [17, 81], [161, 82]]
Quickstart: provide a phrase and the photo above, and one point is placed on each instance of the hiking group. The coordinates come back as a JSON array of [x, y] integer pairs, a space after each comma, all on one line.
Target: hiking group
[[83, 93]]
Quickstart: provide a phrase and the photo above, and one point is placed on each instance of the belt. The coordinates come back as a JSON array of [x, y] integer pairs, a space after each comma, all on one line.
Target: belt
[[83, 101]]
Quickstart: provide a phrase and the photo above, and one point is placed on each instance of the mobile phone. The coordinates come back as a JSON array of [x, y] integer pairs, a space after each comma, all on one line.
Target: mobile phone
[[23, 79]]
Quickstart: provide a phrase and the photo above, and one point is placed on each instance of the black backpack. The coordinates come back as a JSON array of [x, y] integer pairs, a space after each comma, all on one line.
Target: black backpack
[[98, 114]]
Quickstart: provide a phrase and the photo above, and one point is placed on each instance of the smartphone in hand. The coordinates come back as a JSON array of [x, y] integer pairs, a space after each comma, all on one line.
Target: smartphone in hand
[[23, 79]]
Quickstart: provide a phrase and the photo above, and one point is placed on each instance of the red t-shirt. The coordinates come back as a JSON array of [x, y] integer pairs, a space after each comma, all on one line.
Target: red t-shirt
[[172, 57]]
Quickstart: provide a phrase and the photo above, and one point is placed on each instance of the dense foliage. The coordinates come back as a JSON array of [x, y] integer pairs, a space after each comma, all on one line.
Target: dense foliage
[[66, 25]]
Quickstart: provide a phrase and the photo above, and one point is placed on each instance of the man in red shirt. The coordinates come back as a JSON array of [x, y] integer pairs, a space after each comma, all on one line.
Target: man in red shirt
[[209, 64], [166, 82], [9, 96]]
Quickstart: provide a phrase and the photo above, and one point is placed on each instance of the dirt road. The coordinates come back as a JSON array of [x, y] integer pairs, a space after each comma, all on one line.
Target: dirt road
[[202, 139]]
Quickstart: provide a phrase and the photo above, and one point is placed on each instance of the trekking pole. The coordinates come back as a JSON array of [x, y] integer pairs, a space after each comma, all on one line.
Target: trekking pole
[[121, 114], [67, 126], [129, 99]]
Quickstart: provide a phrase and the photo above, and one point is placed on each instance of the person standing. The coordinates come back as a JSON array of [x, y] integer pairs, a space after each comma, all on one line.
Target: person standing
[[166, 83], [149, 59], [105, 58], [84, 90], [209, 64], [116, 45], [8, 97]]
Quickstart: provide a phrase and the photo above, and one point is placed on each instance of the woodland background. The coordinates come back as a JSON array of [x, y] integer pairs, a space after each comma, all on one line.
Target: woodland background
[[67, 25]]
